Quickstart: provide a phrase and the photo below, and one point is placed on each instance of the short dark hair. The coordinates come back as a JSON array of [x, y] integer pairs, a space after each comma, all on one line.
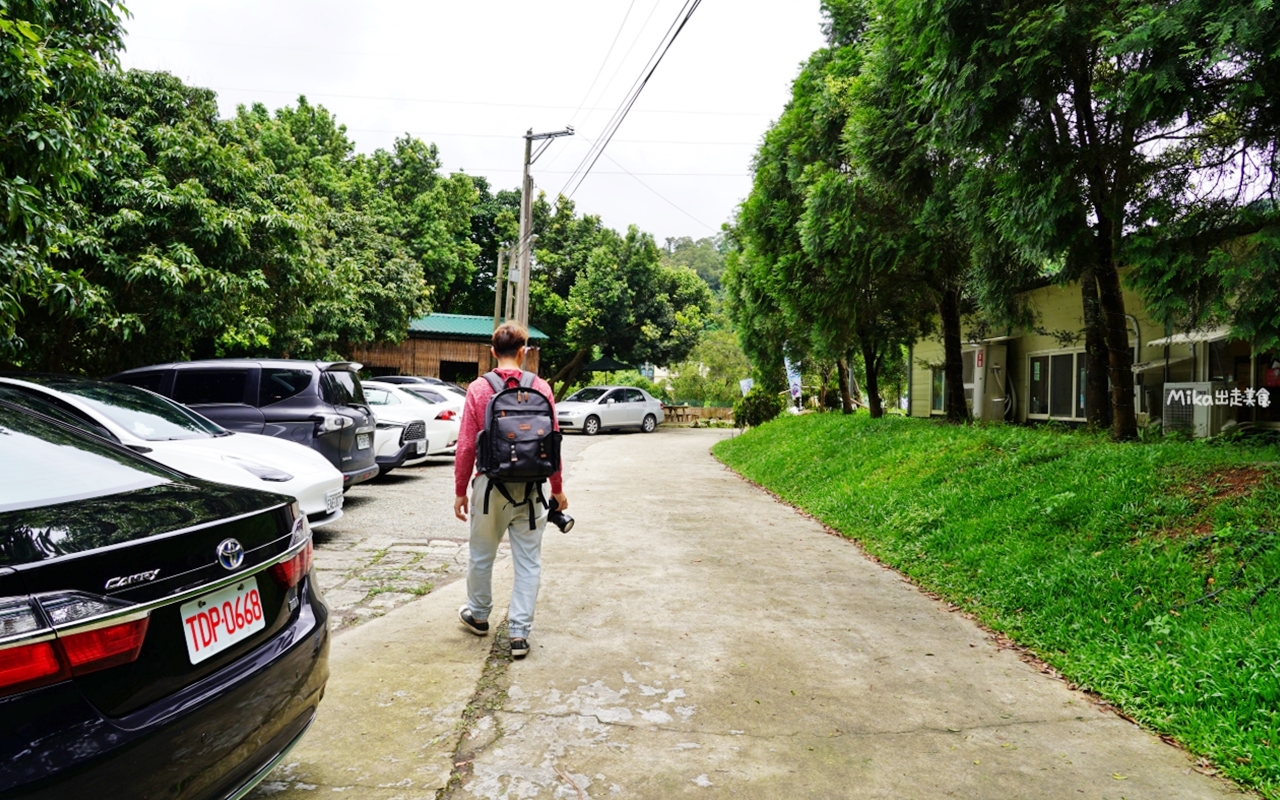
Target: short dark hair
[[509, 338]]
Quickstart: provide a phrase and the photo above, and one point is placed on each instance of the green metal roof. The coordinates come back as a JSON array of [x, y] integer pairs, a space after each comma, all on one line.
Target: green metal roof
[[468, 325]]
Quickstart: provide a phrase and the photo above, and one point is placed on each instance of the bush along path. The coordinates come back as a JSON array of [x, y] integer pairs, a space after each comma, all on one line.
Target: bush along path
[[1146, 573]]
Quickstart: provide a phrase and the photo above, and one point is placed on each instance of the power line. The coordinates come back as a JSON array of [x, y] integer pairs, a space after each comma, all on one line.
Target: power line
[[295, 93], [625, 171], [518, 136], [600, 71], [659, 194], [643, 27], [620, 116]]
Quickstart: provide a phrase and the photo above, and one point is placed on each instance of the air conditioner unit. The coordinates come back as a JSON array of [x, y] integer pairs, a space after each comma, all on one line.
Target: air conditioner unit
[[1194, 407]]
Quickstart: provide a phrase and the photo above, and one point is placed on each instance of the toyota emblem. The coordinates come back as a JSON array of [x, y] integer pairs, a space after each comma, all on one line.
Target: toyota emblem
[[230, 554]]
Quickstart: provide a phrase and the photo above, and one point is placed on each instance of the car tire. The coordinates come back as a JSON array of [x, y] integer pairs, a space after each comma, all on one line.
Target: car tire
[[591, 426], [650, 423]]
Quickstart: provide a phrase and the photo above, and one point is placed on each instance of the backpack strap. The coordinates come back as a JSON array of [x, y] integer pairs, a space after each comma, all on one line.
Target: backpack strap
[[495, 380], [526, 379]]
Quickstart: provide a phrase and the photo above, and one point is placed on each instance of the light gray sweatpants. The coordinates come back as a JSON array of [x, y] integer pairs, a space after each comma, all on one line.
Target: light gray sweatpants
[[526, 553]]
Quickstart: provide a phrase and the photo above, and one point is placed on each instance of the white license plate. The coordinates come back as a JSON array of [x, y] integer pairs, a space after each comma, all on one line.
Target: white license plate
[[221, 619], [332, 501], [362, 441], [422, 447]]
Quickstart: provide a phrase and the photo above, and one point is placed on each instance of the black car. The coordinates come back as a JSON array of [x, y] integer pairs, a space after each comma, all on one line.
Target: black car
[[160, 636], [316, 403]]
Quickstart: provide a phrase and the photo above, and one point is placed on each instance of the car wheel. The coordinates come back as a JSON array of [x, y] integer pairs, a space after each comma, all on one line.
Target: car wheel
[[592, 426], [650, 422]]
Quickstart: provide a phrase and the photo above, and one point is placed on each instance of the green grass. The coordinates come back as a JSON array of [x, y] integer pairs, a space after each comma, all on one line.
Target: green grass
[[1147, 573]]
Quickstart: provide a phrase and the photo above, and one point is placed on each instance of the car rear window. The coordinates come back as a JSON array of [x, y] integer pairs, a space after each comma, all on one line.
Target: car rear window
[[426, 394], [201, 386], [71, 466], [144, 380], [281, 384], [342, 388]]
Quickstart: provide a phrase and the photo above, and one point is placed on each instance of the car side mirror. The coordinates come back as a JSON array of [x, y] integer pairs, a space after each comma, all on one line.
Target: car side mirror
[[610, 401]]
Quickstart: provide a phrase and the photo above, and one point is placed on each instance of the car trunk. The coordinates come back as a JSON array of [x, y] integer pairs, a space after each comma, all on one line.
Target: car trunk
[[158, 547]]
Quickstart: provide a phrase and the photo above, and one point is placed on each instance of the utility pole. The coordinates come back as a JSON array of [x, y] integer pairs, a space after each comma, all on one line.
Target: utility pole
[[498, 279], [524, 248]]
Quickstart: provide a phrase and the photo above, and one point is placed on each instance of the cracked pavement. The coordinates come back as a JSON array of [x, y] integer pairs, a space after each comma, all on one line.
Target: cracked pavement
[[696, 638]]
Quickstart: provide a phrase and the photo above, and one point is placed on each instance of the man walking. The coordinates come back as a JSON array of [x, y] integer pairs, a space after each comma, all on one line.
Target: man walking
[[516, 510]]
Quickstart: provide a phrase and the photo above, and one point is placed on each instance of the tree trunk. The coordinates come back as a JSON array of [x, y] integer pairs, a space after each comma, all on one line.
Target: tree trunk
[[824, 373], [1124, 419], [569, 373], [949, 310], [1097, 405], [846, 399], [872, 362]]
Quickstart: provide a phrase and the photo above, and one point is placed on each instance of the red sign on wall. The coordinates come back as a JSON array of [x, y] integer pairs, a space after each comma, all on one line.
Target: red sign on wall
[[979, 355], [1271, 377]]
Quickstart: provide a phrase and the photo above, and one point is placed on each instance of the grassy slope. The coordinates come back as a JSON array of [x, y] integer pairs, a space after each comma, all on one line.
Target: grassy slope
[[1095, 555]]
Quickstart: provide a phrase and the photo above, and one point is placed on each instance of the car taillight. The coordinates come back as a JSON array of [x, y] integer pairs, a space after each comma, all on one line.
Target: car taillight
[[79, 637], [290, 572], [105, 647], [447, 415], [26, 666]]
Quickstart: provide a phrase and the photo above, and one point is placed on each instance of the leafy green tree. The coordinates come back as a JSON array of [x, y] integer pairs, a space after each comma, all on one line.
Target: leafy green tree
[[189, 244], [1102, 122], [710, 375], [54, 60], [704, 256]]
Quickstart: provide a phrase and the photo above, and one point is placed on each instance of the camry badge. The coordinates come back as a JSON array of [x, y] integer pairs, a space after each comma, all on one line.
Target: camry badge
[[230, 554], [129, 580]]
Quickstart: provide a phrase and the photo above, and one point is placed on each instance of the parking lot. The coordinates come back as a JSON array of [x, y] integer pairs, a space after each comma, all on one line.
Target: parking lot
[[399, 540]]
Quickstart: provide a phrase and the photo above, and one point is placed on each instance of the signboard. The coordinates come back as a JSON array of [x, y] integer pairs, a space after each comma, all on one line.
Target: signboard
[[745, 385], [1271, 377]]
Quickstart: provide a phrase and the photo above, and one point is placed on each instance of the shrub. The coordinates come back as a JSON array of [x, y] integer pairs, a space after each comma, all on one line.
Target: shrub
[[757, 408]]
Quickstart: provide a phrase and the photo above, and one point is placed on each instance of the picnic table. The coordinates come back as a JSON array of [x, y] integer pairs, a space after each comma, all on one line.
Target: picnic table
[[680, 413]]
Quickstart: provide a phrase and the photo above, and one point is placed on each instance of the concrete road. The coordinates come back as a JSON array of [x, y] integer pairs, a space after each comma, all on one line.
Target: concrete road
[[696, 638]]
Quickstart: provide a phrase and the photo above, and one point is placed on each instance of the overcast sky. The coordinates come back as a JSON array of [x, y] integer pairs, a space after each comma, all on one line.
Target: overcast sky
[[473, 76]]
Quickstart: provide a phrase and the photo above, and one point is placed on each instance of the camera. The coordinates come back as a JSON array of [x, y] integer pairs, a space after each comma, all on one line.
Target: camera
[[558, 518]]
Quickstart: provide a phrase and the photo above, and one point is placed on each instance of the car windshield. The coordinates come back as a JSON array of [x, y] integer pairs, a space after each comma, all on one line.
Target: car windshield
[[587, 395], [148, 416], [71, 466]]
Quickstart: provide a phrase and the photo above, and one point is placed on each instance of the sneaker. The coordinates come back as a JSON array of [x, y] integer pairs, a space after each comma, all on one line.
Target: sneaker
[[519, 648], [479, 628]]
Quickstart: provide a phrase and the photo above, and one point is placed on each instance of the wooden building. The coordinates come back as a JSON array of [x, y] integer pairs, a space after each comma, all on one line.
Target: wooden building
[[452, 347]]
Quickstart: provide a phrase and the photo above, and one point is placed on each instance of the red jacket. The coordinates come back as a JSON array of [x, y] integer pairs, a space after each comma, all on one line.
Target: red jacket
[[478, 394]]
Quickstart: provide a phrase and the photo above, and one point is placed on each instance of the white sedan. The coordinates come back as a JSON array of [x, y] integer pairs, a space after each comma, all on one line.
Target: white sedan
[[395, 403], [597, 408], [183, 440]]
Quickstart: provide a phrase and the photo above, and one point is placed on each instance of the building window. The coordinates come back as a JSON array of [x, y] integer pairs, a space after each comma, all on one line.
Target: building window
[[1056, 383], [937, 399]]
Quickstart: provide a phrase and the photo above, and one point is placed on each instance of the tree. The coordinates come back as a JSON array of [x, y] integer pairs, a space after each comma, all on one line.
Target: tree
[[711, 373], [1099, 120], [704, 256], [54, 60]]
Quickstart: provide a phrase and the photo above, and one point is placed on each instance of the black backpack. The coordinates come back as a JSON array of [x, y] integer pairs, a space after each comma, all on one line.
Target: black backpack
[[519, 442]]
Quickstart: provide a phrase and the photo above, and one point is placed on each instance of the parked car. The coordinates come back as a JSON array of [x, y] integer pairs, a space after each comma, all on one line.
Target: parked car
[[443, 420], [316, 403], [179, 438], [160, 635], [434, 383], [598, 408]]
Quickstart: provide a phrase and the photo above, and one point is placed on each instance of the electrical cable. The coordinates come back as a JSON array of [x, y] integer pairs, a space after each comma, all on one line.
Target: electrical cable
[[574, 116], [620, 115], [629, 98]]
